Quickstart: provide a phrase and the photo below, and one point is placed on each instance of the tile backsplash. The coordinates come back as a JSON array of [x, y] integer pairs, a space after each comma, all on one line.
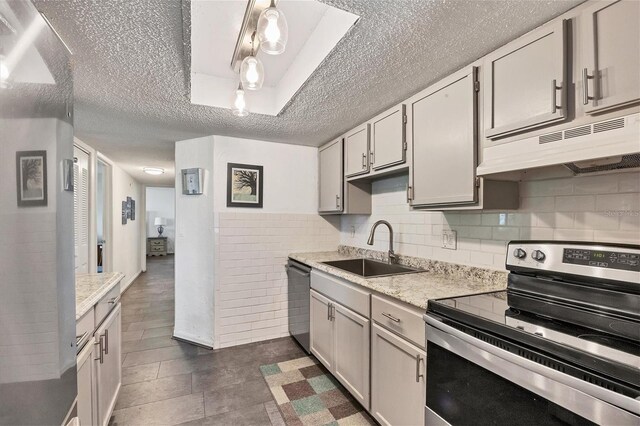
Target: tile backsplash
[[251, 282], [603, 208]]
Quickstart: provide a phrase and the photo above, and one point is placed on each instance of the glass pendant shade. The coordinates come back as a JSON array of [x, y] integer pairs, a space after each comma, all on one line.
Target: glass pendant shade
[[252, 73], [239, 103], [273, 31]]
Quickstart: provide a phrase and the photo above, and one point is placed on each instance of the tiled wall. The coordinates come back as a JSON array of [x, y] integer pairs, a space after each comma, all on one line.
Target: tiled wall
[[604, 208], [251, 282]]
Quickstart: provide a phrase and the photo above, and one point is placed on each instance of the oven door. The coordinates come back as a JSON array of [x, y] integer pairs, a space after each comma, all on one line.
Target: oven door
[[470, 381]]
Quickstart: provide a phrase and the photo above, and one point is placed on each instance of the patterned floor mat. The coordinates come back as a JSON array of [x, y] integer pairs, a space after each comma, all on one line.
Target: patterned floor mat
[[307, 394]]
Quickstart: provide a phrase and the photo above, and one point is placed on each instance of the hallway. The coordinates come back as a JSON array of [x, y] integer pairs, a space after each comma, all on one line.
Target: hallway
[[169, 382]]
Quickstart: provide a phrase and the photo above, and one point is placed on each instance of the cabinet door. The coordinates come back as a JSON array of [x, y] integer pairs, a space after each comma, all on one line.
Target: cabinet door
[[108, 365], [87, 391], [398, 388], [611, 54], [445, 142], [388, 138], [356, 148], [525, 82], [322, 339], [330, 177], [352, 352]]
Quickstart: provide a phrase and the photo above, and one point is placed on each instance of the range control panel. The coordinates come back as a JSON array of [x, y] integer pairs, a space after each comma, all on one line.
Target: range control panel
[[602, 259], [607, 261]]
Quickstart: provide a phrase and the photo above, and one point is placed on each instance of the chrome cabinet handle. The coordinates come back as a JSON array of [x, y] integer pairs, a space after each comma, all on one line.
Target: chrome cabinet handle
[[106, 342], [418, 375], [372, 156], [101, 352], [554, 102], [585, 86], [112, 300], [409, 194], [364, 160], [333, 312], [328, 311], [337, 201], [391, 317]]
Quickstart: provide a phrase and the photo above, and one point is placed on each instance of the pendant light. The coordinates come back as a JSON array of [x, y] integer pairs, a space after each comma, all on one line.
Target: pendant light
[[251, 70], [239, 103], [273, 31]]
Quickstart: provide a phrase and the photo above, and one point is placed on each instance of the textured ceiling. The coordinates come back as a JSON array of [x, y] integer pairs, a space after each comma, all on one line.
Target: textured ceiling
[[132, 69]]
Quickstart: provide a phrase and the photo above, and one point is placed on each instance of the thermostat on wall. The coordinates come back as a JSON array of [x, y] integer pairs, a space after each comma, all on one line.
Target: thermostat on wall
[[192, 181]]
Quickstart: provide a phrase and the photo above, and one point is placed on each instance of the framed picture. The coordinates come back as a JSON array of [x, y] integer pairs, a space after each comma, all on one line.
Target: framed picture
[[244, 185], [132, 210], [31, 178], [125, 212]]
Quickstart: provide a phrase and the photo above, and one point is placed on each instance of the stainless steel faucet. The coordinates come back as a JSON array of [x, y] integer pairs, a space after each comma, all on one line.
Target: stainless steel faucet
[[393, 258]]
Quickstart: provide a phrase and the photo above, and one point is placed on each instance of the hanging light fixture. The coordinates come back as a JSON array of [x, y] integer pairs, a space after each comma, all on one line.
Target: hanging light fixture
[[251, 70], [239, 103], [273, 31]]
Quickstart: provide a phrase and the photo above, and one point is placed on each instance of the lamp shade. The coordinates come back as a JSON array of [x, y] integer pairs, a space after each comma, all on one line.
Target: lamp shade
[[159, 221]]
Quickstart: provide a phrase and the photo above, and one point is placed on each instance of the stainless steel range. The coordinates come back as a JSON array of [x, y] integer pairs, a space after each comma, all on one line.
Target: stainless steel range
[[560, 346]]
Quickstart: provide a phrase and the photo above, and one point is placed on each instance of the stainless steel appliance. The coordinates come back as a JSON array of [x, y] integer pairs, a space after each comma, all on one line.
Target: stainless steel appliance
[[560, 346], [37, 283], [299, 276]]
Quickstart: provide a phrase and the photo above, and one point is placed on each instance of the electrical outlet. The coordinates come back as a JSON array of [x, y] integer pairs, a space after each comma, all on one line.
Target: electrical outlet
[[449, 239], [352, 231]]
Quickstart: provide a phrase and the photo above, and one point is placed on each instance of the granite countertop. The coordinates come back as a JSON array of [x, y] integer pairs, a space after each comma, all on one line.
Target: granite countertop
[[90, 288], [440, 279]]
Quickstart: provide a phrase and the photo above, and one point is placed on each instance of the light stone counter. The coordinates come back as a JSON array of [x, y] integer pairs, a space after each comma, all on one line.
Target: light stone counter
[[90, 288], [441, 279]]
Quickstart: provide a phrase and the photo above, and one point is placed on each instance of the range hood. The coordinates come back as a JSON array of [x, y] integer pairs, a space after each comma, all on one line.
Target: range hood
[[610, 144]]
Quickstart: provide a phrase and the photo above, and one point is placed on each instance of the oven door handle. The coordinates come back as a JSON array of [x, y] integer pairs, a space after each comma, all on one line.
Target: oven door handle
[[516, 369]]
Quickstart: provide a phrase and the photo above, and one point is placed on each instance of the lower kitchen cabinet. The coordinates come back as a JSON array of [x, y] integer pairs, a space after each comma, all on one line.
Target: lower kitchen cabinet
[[352, 352], [340, 340], [108, 364], [398, 371], [87, 391], [322, 341]]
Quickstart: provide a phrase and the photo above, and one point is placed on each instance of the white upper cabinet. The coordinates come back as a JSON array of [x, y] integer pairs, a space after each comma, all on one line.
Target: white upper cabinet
[[356, 147], [330, 177], [388, 138], [611, 55], [444, 123], [525, 82]]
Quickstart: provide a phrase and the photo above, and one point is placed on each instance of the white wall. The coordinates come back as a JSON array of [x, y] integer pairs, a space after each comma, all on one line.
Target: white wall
[[252, 244], [603, 208], [194, 246], [161, 202], [127, 238], [290, 174]]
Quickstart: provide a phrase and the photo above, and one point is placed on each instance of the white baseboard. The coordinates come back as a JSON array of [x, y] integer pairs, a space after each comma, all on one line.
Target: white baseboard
[[124, 287], [188, 337]]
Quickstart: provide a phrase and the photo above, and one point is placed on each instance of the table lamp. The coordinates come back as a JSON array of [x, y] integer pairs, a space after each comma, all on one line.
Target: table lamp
[[160, 222]]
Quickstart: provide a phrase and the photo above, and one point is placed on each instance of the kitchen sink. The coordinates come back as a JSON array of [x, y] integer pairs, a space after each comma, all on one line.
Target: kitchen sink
[[371, 268]]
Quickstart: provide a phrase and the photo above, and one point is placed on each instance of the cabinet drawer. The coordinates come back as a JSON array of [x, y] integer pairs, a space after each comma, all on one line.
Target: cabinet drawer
[[86, 324], [343, 292], [400, 319], [157, 248], [156, 243], [106, 304]]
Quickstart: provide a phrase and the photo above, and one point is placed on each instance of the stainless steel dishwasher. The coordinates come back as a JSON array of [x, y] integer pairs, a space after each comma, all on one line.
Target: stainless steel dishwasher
[[299, 276]]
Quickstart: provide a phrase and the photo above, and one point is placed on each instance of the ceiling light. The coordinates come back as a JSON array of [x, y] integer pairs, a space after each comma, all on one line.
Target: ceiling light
[[273, 31], [252, 73], [153, 170], [239, 103]]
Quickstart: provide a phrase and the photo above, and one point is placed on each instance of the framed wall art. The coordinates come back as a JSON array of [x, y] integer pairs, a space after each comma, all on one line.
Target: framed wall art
[[244, 185], [31, 178]]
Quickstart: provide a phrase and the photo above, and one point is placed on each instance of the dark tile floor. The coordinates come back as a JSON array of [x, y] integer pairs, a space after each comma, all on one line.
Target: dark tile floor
[[169, 382]]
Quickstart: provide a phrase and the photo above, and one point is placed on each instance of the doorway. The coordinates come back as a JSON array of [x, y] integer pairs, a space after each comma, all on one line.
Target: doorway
[[103, 216]]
